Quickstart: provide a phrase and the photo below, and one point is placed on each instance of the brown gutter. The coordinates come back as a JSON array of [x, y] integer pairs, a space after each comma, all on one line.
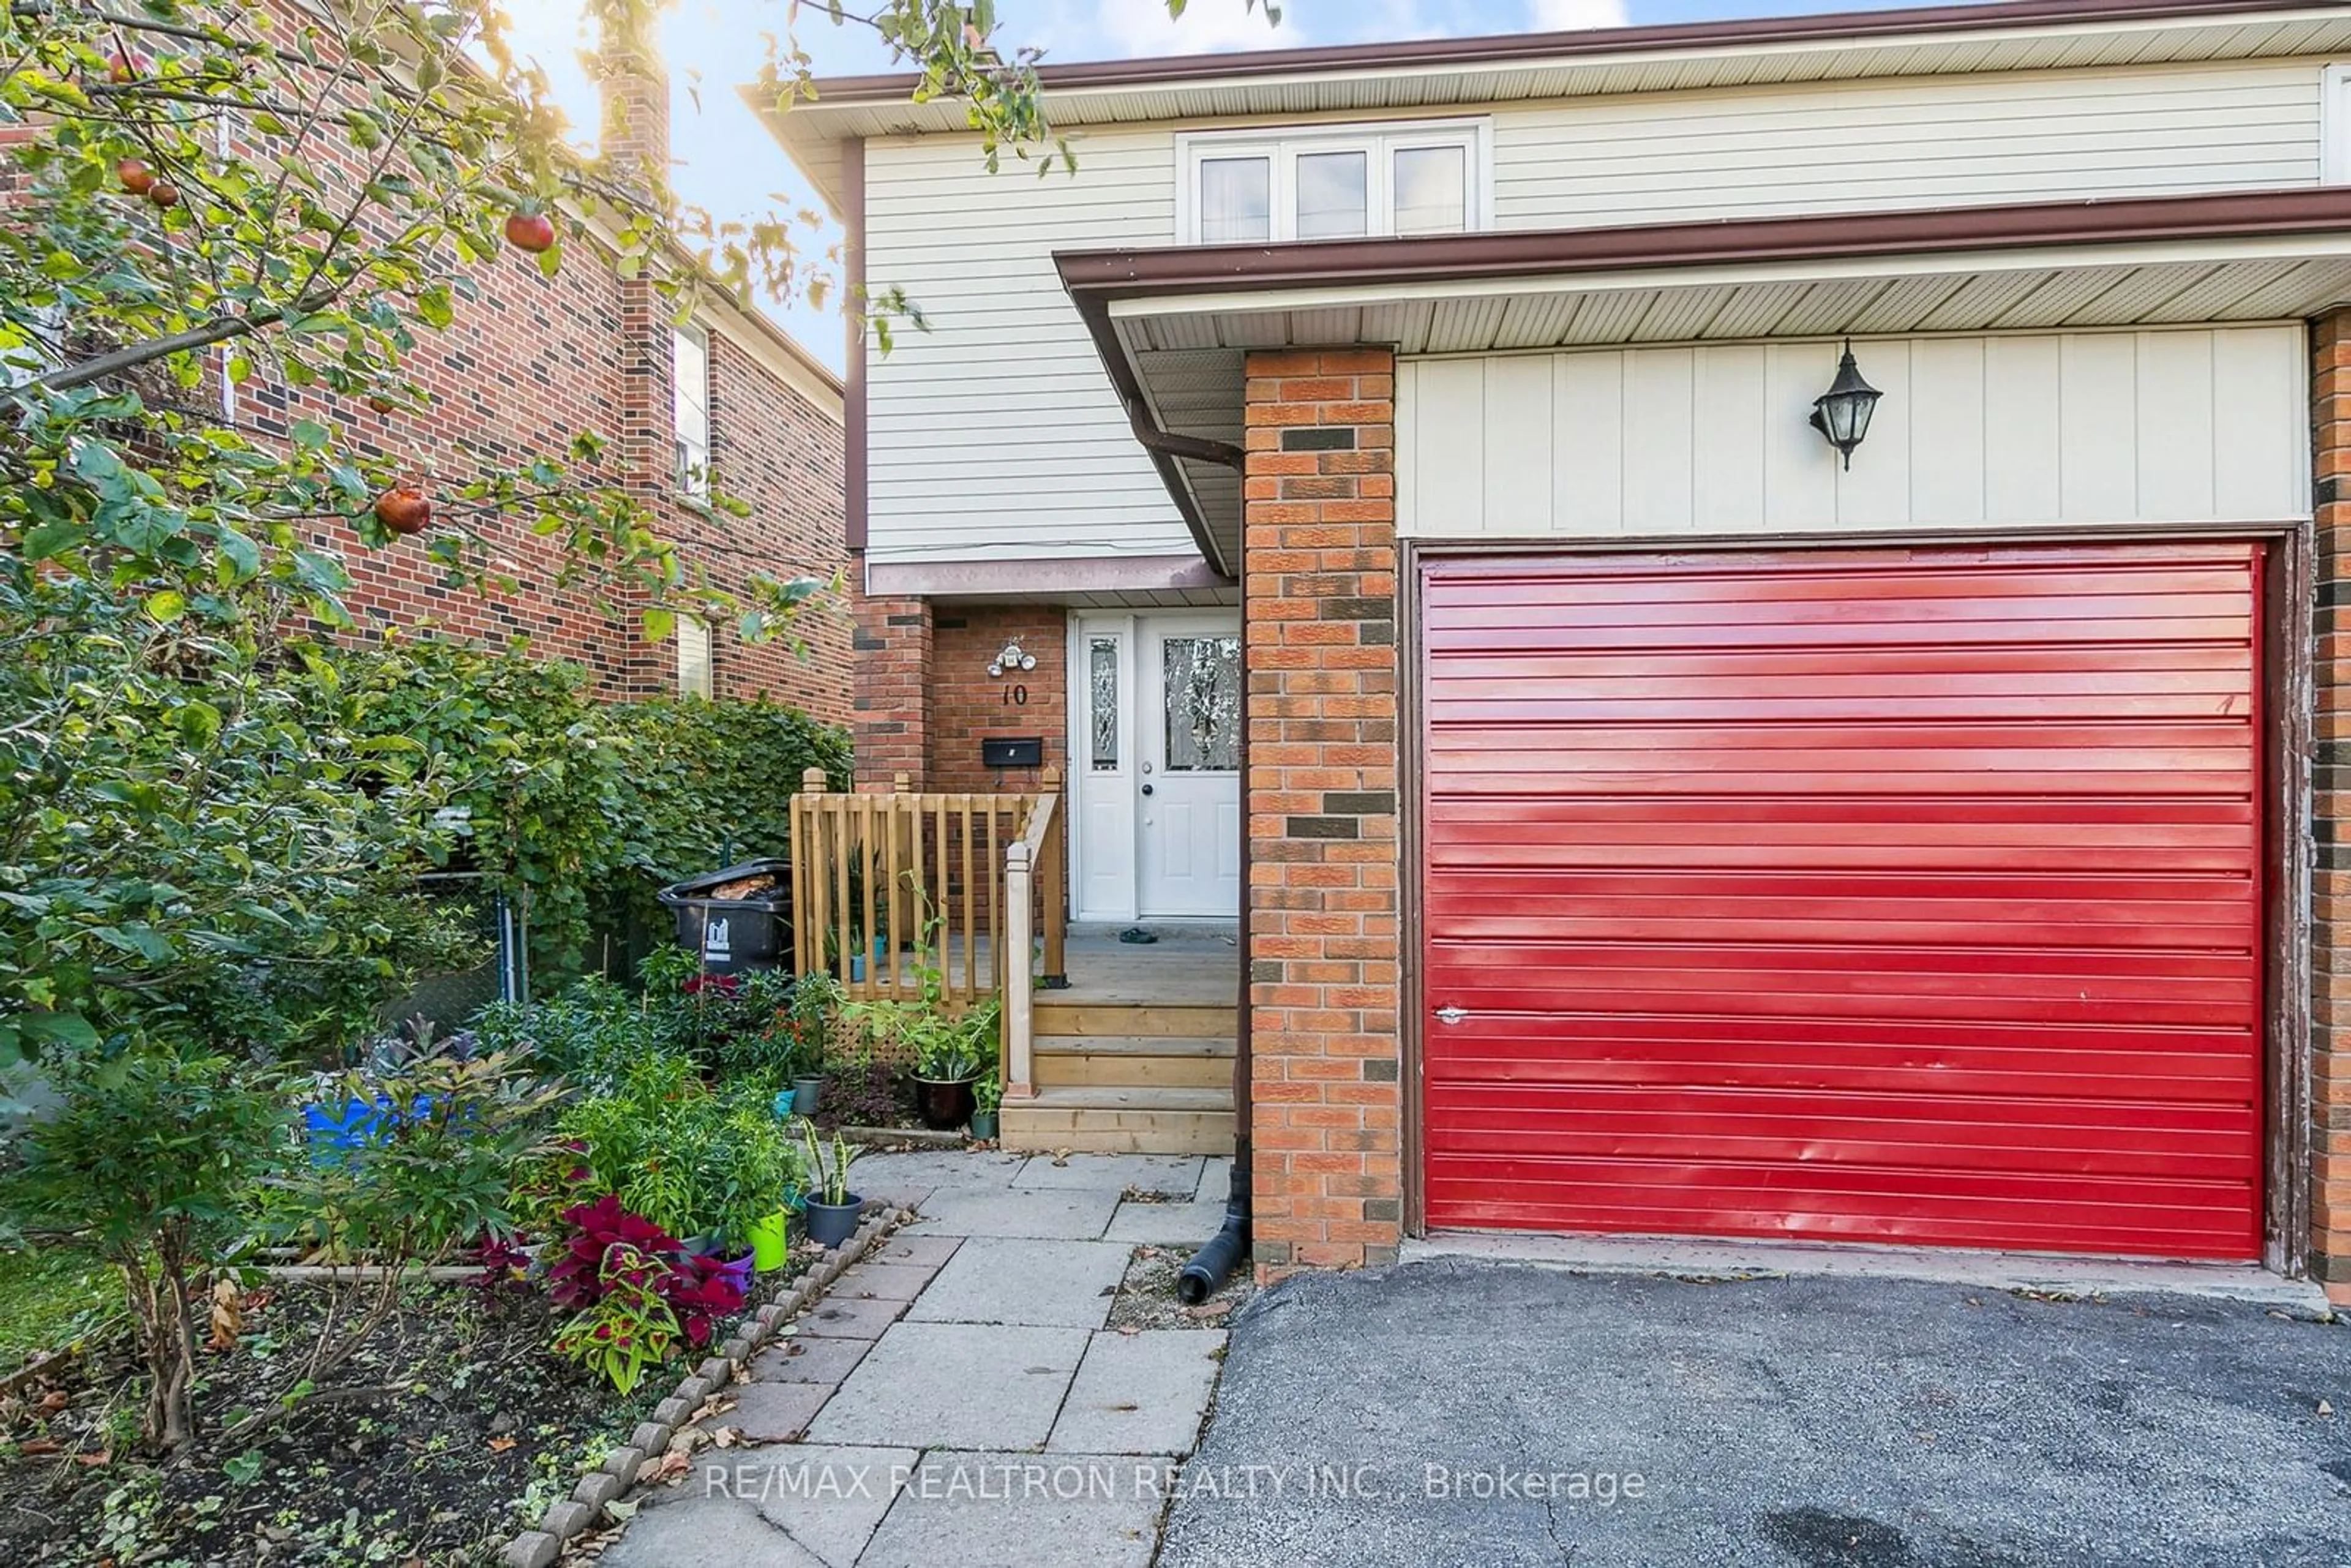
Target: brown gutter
[[853, 459], [1197, 448], [1162, 444], [1598, 43], [1094, 279]]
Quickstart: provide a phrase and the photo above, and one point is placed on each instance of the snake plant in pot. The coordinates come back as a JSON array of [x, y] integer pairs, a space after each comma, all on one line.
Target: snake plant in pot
[[832, 1208]]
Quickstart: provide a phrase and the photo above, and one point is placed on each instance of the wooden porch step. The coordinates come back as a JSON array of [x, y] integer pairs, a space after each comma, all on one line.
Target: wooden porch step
[[1155, 1121], [1090, 1017], [1135, 1061]]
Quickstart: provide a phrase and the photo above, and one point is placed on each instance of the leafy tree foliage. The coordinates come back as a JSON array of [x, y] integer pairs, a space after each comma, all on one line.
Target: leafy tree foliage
[[190, 799], [209, 806]]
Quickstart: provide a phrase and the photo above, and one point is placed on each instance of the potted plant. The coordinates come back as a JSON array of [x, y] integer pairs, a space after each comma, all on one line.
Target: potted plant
[[816, 1001], [950, 1055], [987, 1096], [749, 1163], [831, 1208]]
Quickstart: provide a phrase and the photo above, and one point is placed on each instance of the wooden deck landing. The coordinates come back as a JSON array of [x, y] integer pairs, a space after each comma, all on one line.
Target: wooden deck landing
[[1135, 1055], [1186, 967]]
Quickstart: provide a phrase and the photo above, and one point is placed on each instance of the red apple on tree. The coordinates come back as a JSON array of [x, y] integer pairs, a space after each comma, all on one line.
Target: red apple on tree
[[136, 177], [403, 510], [381, 403], [533, 232], [119, 68], [164, 194]]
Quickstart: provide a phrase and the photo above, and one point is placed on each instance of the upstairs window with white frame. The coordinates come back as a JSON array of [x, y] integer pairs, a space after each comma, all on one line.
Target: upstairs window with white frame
[[2334, 125], [1420, 177], [689, 361]]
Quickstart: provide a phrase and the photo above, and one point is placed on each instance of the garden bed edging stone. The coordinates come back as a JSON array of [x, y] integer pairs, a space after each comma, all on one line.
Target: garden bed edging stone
[[540, 1547]]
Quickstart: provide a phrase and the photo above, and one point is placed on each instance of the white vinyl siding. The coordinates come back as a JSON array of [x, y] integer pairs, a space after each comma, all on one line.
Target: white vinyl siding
[[997, 434], [2054, 429], [1856, 146]]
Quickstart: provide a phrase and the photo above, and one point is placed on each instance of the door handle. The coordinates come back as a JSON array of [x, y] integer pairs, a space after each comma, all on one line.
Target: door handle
[[1146, 789], [1448, 1013]]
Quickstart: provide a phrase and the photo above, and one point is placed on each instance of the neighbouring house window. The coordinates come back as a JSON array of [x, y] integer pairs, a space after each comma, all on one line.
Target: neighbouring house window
[[1423, 177], [694, 674], [1203, 704], [1102, 680], [690, 380]]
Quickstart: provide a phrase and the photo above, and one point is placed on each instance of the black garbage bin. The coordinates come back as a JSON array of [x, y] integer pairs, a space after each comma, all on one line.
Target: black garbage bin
[[737, 918]]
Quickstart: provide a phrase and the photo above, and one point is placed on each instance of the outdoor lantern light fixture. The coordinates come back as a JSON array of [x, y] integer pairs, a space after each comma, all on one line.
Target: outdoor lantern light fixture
[[1012, 658], [1841, 412]]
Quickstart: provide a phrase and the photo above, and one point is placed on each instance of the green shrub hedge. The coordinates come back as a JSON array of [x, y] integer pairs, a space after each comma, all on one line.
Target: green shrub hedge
[[584, 807]]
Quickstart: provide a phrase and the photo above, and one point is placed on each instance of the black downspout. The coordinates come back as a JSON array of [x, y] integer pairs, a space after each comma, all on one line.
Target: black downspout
[[1211, 1264]]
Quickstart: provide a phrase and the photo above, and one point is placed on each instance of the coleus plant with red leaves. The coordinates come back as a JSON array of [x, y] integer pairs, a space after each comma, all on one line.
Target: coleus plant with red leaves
[[576, 1279], [633, 1291], [701, 1291]]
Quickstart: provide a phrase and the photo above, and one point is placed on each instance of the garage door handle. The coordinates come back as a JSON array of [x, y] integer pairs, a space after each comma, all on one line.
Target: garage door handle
[[1452, 1014]]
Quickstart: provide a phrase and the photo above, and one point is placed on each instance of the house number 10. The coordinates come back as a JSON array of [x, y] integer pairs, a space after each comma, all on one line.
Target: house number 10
[[1016, 696]]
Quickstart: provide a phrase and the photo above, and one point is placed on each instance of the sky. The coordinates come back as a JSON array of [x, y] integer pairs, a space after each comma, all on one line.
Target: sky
[[727, 163]]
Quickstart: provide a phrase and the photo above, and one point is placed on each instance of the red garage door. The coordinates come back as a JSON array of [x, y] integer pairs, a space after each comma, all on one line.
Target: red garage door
[[1898, 896]]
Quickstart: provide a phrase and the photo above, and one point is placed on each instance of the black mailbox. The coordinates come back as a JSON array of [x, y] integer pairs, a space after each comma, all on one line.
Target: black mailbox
[[1013, 751]]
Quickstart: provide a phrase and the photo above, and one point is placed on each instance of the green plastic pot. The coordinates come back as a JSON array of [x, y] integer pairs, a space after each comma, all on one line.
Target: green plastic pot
[[983, 1126], [767, 1250]]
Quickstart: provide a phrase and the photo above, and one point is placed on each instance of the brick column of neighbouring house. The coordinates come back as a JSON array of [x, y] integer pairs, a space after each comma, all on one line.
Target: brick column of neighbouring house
[[2330, 930], [892, 649], [1318, 597]]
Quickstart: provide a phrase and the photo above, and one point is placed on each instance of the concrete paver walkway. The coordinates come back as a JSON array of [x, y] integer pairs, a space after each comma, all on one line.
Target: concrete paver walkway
[[958, 1396]]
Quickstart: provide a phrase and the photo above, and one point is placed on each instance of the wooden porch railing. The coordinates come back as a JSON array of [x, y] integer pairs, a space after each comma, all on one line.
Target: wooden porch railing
[[1033, 858], [886, 886]]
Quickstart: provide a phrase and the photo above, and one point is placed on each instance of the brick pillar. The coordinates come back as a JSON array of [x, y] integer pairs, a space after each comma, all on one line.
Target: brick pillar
[[2330, 931], [632, 101], [891, 650], [1318, 606]]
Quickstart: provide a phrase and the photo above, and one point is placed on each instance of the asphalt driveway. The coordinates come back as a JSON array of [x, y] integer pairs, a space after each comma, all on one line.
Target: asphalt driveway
[[1493, 1417]]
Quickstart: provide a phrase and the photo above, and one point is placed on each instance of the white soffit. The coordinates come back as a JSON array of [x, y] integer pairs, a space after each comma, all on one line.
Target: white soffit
[[2085, 287], [1189, 350]]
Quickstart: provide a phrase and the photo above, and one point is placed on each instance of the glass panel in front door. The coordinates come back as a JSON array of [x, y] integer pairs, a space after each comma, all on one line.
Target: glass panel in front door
[[1203, 704], [1102, 676]]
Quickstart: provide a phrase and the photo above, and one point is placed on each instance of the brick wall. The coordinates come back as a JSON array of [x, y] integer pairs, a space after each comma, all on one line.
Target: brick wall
[[926, 702], [2330, 930], [969, 706], [522, 368], [1318, 608], [892, 647]]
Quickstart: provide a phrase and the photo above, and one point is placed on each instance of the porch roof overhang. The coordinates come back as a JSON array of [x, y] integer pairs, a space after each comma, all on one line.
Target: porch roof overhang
[[1174, 325]]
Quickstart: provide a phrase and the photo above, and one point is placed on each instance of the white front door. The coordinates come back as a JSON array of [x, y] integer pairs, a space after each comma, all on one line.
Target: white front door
[[1189, 814], [1154, 745]]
